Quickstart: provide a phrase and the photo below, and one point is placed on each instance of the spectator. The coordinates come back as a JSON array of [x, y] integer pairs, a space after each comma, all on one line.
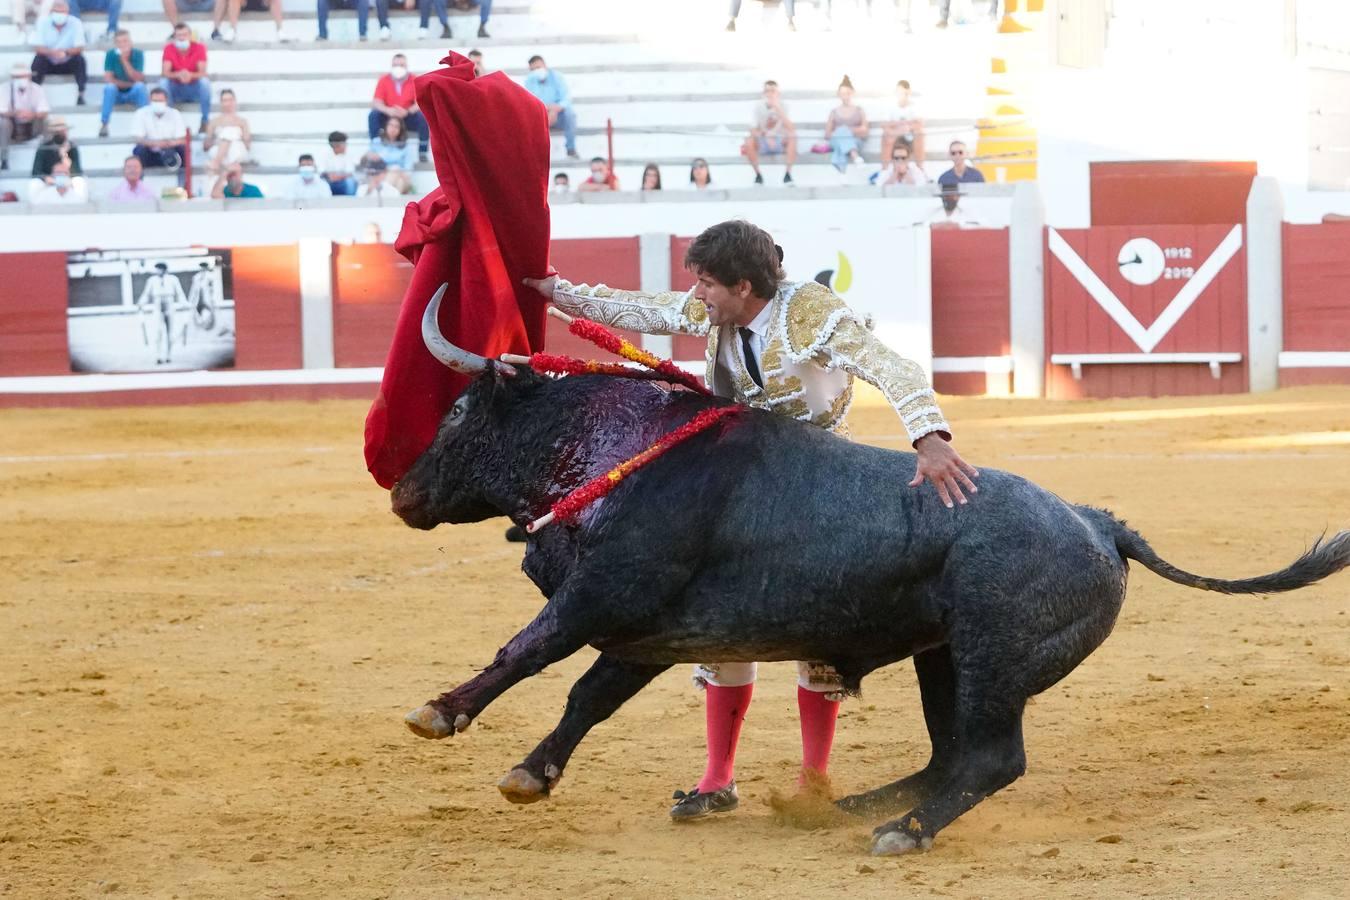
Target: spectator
[[55, 148], [309, 185], [23, 111], [700, 176], [228, 137], [132, 188], [338, 168], [950, 215], [396, 97], [392, 146], [424, 9], [124, 72], [160, 132], [846, 128], [945, 12], [375, 185], [233, 8], [602, 179], [172, 8], [771, 133], [362, 18], [476, 57], [903, 124], [484, 13], [23, 11], [184, 71], [370, 234], [231, 186], [960, 172], [551, 89], [60, 48], [788, 9], [561, 183], [112, 7], [902, 170], [651, 177], [61, 188]]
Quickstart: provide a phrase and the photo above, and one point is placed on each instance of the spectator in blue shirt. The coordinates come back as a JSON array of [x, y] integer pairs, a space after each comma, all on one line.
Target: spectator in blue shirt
[[960, 172], [398, 153], [550, 88], [60, 48]]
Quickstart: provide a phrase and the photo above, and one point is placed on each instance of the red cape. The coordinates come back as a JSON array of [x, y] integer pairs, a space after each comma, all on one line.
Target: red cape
[[482, 231]]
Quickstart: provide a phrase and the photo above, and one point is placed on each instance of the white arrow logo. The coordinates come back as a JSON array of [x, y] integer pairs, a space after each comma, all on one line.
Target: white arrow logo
[[1147, 338]]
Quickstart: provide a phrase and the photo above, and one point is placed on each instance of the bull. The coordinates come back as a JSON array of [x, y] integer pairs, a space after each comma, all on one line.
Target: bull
[[771, 539]]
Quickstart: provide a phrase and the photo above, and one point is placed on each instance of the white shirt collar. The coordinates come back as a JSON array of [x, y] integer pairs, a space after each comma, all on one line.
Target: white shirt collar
[[760, 324]]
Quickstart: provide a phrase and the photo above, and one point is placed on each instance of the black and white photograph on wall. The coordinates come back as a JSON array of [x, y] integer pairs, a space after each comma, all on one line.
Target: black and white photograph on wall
[[150, 310]]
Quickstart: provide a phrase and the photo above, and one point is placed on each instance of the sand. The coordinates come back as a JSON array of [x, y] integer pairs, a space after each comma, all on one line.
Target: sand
[[212, 626]]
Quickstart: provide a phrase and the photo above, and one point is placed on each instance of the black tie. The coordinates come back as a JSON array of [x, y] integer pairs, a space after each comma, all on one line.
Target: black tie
[[751, 365]]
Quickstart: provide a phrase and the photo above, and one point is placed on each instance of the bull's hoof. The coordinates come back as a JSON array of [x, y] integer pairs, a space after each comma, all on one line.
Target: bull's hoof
[[427, 721], [520, 786], [896, 843]]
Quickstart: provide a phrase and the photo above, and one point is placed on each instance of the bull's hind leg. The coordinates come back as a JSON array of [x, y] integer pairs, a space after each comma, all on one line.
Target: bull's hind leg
[[606, 686], [937, 688]]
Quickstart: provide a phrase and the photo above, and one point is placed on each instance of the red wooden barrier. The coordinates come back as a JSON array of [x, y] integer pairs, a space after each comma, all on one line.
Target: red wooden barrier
[[1316, 299], [1170, 192], [970, 304], [369, 281], [267, 307], [33, 315]]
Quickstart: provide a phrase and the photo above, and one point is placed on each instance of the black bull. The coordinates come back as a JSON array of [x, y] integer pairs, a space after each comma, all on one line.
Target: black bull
[[770, 539]]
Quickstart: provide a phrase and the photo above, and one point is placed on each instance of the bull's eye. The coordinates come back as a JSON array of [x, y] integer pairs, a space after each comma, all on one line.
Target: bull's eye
[[457, 412]]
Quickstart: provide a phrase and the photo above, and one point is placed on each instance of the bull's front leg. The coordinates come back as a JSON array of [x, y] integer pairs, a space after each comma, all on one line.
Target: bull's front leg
[[596, 696], [553, 635]]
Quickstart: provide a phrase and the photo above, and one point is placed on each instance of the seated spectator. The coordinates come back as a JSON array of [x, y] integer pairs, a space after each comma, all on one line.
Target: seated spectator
[[700, 176], [60, 48], [362, 18], [132, 188], [23, 111], [172, 7], [309, 185], [396, 97], [399, 155], [484, 13], [375, 185], [551, 90], [424, 8], [233, 7], [846, 128], [55, 148], [228, 137], [124, 72], [771, 133], [960, 172], [561, 183], [602, 179], [62, 187], [370, 234], [112, 7], [901, 170], [651, 177], [338, 168], [788, 10], [160, 133], [476, 57], [903, 124], [950, 215], [25, 15], [231, 186], [184, 72]]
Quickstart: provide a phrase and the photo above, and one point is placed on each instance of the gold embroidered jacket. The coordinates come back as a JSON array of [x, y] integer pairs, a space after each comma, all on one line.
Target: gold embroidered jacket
[[815, 347]]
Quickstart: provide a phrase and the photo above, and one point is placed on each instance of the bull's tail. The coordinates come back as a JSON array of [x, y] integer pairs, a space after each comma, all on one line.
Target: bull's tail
[[1323, 558]]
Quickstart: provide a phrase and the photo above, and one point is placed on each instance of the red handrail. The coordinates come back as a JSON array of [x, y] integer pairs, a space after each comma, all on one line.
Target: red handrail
[[187, 164]]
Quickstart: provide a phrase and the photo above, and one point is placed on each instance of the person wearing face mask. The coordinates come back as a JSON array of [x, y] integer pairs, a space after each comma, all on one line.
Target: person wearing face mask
[[561, 184], [551, 89], [160, 133], [124, 77], [23, 111], [132, 188], [396, 97], [62, 187], [183, 68], [309, 185], [60, 48], [231, 186], [602, 179], [55, 148]]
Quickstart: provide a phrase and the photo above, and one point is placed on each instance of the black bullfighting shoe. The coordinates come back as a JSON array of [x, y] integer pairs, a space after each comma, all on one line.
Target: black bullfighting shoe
[[696, 805]]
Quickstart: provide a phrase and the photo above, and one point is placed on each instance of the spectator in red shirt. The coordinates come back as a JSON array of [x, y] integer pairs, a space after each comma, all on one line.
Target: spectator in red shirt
[[396, 97], [184, 71]]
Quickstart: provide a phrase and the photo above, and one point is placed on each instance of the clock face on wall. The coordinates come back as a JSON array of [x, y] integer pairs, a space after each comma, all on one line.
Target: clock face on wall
[[1140, 261]]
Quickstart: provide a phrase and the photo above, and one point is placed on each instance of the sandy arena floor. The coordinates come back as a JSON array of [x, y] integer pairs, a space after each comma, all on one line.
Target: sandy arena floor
[[212, 626]]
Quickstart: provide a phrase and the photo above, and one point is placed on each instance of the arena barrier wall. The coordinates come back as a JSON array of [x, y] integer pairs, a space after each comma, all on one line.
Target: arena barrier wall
[[1316, 309]]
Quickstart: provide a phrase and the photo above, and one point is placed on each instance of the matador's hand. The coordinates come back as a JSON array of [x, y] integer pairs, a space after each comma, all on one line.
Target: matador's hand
[[544, 285], [943, 466]]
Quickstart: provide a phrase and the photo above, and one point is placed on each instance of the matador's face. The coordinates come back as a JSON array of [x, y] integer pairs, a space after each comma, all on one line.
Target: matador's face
[[727, 304]]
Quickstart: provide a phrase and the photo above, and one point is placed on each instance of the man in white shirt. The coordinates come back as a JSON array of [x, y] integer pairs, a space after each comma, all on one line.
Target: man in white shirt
[[771, 133], [337, 167], [60, 48], [160, 133], [375, 185], [903, 125], [309, 186], [63, 188], [161, 300], [23, 110], [951, 215]]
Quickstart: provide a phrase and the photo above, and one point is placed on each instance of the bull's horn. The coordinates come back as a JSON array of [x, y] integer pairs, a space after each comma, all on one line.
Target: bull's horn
[[461, 361]]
